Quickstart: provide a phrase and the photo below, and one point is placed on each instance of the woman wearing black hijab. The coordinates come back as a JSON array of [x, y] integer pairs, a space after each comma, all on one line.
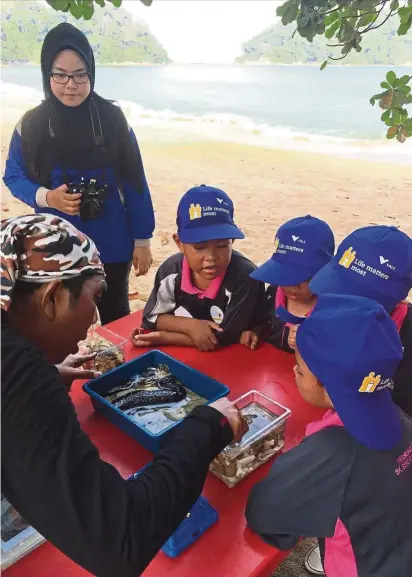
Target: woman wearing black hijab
[[77, 135]]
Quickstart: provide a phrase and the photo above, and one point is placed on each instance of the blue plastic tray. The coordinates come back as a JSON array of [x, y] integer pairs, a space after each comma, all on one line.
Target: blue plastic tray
[[201, 517], [192, 379], [198, 520]]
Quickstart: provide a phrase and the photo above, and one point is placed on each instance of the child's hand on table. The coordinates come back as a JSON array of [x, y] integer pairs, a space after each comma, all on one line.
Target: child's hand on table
[[249, 339], [140, 339], [292, 336], [202, 335], [229, 410]]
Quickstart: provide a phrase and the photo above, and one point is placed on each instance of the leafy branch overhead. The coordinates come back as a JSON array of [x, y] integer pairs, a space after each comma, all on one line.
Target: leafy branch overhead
[[393, 101], [85, 8], [344, 23]]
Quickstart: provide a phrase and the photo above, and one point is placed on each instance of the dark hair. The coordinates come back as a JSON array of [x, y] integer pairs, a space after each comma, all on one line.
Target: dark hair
[[74, 286]]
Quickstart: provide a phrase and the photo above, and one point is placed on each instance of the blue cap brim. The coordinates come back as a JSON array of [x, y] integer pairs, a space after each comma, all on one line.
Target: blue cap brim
[[330, 280], [214, 232], [372, 418], [282, 274], [288, 317]]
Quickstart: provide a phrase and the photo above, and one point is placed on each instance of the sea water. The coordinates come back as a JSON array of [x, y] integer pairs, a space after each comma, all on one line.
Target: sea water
[[291, 107]]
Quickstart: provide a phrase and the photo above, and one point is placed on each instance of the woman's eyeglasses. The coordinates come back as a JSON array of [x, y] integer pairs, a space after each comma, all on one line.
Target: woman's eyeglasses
[[78, 78]]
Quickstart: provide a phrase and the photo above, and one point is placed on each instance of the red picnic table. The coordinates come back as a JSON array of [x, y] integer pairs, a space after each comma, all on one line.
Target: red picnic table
[[228, 549]]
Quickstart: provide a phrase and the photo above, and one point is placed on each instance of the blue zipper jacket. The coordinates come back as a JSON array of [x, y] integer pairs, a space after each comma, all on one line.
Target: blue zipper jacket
[[127, 216]]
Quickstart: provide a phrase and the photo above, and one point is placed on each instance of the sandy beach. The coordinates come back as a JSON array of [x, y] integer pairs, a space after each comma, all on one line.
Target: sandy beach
[[268, 186]]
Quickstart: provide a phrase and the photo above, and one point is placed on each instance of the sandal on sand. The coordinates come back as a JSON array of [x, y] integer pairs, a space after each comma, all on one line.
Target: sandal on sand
[[313, 562]]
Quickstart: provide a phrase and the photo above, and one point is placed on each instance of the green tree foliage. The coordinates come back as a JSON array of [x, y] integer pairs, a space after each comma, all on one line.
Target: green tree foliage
[[279, 45], [113, 34], [85, 8], [394, 101], [346, 24]]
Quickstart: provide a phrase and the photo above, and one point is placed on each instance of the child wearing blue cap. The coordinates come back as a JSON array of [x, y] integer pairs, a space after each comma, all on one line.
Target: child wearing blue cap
[[303, 246], [349, 482], [203, 296], [376, 262]]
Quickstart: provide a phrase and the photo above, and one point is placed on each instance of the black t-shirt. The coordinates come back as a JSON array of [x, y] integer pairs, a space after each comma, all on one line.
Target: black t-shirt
[[331, 482], [277, 330], [53, 475], [235, 307]]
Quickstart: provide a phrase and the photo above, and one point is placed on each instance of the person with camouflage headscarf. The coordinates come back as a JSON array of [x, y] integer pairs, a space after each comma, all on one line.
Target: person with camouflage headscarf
[[51, 280]]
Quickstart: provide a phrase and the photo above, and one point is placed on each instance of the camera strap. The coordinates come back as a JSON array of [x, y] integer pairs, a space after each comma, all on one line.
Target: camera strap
[[98, 138], [99, 141]]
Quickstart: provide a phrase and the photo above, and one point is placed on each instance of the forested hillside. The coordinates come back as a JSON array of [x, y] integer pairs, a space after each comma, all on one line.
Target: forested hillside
[[275, 45], [112, 32]]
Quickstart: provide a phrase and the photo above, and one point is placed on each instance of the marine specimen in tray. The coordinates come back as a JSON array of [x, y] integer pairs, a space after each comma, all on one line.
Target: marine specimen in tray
[[154, 399]]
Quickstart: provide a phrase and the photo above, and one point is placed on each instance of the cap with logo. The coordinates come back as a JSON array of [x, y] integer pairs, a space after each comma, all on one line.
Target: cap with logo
[[373, 262], [302, 247], [353, 348], [206, 213]]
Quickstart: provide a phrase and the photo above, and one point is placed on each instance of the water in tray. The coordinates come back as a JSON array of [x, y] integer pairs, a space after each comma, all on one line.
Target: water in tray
[[155, 399], [158, 418]]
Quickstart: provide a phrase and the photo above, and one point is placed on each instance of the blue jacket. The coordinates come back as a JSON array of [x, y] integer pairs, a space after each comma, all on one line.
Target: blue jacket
[[119, 224]]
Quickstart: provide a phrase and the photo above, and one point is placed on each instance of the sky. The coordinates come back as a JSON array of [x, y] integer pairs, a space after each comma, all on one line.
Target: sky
[[204, 30]]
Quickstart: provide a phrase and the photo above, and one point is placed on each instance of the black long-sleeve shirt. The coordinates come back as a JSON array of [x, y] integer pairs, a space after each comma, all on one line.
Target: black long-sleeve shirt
[[53, 475], [332, 487], [402, 393]]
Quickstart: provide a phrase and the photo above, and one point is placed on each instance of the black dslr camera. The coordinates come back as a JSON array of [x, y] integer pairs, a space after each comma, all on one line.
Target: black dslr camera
[[93, 197]]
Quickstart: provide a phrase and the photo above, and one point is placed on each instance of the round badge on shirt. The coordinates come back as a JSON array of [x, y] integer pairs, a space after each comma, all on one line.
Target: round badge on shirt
[[217, 314]]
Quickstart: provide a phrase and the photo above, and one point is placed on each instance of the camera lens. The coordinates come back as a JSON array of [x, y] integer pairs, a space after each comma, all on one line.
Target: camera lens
[[90, 209]]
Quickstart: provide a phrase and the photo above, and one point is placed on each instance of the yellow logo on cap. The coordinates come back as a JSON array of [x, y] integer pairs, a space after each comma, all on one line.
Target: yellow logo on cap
[[275, 248], [348, 257], [370, 383], [195, 211]]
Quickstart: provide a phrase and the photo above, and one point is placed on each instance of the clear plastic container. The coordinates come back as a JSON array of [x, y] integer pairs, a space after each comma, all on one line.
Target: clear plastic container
[[18, 538], [109, 346], [265, 438]]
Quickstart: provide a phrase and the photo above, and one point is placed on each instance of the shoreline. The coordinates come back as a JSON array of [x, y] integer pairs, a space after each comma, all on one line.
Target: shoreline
[[223, 65], [108, 64], [315, 64], [229, 130]]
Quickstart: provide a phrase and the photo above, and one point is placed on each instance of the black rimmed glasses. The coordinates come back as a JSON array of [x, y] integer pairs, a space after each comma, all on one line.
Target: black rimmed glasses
[[63, 78]]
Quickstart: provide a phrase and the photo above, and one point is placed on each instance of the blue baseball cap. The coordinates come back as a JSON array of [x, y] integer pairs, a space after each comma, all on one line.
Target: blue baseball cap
[[353, 348], [373, 262], [302, 247], [206, 213]]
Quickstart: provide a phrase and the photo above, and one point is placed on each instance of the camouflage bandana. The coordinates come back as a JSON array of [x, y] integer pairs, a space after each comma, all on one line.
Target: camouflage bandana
[[39, 248]]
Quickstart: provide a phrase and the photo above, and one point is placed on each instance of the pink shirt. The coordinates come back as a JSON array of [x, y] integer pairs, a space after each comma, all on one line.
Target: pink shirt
[[281, 301], [187, 285], [339, 557]]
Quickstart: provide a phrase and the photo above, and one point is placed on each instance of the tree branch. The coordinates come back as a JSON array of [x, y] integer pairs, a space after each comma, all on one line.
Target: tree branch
[[329, 11], [340, 58], [379, 25], [342, 7], [359, 15], [377, 16]]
